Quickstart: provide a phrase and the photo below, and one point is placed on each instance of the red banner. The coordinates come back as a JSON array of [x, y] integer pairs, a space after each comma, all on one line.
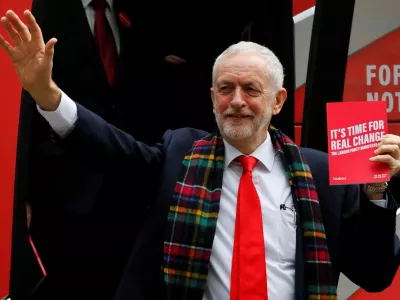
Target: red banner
[[10, 91], [373, 74], [301, 5]]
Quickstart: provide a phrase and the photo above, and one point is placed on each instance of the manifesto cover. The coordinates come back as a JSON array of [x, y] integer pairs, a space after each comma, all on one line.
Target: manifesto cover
[[354, 133]]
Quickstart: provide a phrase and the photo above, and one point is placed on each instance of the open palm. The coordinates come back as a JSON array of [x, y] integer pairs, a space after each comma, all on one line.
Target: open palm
[[32, 59]]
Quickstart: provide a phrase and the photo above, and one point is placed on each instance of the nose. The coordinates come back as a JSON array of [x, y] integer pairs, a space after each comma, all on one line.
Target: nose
[[238, 101]]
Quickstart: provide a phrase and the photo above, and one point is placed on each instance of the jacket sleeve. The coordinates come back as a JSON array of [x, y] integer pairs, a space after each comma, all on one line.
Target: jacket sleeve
[[99, 142], [370, 248]]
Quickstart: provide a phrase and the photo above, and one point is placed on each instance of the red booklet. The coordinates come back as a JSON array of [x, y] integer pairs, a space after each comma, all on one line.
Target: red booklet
[[354, 132]]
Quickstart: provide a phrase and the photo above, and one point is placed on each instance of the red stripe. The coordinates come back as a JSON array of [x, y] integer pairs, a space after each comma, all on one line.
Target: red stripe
[[302, 5], [124, 19], [37, 256], [190, 191], [203, 143], [305, 193], [196, 254], [320, 255]]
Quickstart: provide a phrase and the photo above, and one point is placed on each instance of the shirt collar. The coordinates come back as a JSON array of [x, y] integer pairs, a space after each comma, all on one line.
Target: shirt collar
[[265, 153], [87, 2]]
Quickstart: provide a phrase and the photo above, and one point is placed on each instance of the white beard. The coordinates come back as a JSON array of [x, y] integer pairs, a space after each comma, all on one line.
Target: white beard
[[241, 130], [234, 131]]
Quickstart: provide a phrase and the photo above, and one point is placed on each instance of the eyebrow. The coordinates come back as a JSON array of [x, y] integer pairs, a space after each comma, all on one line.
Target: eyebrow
[[246, 82], [224, 81]]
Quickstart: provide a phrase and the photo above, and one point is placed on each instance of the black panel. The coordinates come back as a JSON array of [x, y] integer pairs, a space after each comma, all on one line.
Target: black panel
[[273, 27], [326, 67]]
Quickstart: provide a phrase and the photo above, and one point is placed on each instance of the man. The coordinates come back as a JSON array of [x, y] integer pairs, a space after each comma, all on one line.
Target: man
[[72, 245], [105, 55], [245, 203]]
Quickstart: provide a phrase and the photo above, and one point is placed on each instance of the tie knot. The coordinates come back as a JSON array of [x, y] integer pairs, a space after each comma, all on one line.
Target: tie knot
[[99, 4], [248, 162]]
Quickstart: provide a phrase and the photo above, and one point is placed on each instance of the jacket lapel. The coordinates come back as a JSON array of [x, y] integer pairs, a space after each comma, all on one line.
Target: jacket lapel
[[130, 29], [85, 39], [124, 23]]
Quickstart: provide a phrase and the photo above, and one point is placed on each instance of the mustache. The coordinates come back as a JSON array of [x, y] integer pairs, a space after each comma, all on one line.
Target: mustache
[[237, 113]]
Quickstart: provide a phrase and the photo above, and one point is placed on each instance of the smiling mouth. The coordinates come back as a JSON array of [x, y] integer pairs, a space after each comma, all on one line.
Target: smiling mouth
[[238, 116]]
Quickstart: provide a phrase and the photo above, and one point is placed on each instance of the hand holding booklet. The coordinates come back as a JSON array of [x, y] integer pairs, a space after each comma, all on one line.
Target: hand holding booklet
[[354, 133]]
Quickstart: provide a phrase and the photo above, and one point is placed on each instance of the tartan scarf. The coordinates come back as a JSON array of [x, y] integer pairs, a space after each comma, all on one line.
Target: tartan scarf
[[192, 219]]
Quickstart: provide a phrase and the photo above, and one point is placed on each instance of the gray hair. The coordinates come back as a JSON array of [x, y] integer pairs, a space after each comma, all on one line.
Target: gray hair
[[274, 68]]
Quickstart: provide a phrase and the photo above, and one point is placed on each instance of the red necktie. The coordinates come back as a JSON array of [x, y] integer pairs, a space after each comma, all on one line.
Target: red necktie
[[105, 39], [248, 277]]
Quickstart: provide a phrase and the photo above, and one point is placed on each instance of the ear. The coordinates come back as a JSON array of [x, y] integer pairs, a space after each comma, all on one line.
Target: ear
[[280, 99]]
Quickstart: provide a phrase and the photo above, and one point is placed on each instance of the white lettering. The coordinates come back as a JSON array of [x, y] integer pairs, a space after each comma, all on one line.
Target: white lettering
[[397, 94], [384, 75], [334, 134], [357, 129], [375, 125], [388, 97], [396, 74], [333, 145], [370, 75], [367, 138], [372, 96], [340, 144]]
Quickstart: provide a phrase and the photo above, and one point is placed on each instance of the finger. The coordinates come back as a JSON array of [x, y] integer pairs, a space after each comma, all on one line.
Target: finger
[[18, 25], [394, 167], [36, 32], [389, 135], [391, 149], [11, 31], [49, 51], [387, 159], [390, 139], [6, 46]]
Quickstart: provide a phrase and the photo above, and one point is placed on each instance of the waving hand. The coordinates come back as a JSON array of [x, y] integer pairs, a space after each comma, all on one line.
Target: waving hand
[[31, 57]]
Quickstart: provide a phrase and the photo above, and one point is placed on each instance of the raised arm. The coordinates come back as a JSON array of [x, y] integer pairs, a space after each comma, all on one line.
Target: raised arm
[[87, 134], [80, 130]]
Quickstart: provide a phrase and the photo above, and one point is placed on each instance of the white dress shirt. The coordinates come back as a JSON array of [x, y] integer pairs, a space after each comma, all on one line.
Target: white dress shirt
[[110, 15], [278, 225]]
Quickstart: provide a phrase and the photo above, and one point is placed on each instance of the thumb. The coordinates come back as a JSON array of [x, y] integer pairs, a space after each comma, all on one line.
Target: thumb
[[49, 51]]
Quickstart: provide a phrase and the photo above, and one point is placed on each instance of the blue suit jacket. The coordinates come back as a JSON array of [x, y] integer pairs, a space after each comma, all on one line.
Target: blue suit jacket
[[360, 235]]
